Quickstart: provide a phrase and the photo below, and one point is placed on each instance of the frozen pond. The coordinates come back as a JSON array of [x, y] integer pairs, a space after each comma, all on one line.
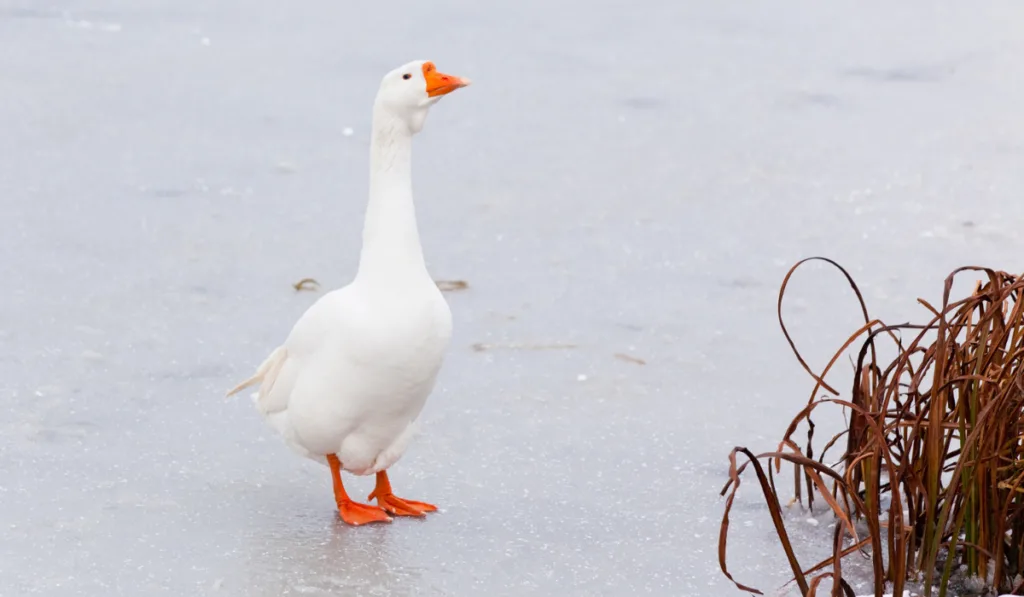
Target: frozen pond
[[628, 179]]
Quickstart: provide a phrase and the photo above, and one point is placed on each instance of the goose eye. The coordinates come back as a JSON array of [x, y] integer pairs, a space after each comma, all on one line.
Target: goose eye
[[406, 76]]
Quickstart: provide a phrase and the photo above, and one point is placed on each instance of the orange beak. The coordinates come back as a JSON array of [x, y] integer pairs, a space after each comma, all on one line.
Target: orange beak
[[438, 83]]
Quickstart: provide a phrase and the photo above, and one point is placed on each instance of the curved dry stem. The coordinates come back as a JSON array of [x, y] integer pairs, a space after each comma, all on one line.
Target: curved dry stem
[[934, 444]]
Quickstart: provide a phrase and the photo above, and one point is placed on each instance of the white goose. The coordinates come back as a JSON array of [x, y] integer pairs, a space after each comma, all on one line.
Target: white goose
[[347, 385]]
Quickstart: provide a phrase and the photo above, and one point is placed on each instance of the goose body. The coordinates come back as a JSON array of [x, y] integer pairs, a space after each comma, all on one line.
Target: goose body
[[356, 371], [346, 387]]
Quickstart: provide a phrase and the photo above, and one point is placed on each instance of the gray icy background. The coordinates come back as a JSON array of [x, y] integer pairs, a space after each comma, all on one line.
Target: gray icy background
[[628, 178]]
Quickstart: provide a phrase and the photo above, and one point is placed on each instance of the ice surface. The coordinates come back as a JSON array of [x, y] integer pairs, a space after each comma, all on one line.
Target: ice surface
[[622, 177]]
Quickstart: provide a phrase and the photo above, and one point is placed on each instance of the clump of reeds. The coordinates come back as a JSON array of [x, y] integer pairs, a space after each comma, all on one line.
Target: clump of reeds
[[933, 466]]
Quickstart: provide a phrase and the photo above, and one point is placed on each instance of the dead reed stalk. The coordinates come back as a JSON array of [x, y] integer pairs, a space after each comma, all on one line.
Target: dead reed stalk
[[933, 465]]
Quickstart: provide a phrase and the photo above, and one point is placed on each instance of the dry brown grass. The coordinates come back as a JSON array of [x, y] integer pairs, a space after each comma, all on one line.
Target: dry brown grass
[[933, 465]]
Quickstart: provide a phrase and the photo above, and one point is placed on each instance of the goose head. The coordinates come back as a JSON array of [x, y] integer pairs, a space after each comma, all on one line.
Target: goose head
[[408, 92]]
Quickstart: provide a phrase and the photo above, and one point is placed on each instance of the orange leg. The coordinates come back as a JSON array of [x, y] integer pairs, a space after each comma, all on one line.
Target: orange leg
[[352, 512], [396, 505]]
